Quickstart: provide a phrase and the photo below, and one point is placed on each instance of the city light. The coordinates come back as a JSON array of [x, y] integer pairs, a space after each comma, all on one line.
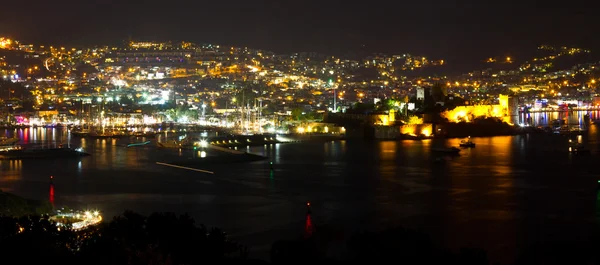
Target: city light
[[203, 143], [251, 91], [78, 221]]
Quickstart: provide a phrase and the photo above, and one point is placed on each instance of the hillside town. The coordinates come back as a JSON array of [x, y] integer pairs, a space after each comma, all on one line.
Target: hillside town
[[254, 91]]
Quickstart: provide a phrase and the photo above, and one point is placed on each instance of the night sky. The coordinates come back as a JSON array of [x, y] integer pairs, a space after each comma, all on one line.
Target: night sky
[[433, 28]]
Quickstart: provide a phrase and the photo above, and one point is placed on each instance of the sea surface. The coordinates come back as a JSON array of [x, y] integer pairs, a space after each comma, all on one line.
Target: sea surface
[[505, 195]]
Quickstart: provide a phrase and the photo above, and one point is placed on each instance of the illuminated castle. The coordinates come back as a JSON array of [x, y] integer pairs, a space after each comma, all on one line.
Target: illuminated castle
[[507, 110]]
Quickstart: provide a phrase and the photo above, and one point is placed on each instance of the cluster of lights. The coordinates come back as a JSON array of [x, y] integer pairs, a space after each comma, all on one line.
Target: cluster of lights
[[203, 143], [5, 43], [85, 219], [273, 130]]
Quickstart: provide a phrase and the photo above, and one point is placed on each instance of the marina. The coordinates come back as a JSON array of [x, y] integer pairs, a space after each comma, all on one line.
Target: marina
[[146, 178]]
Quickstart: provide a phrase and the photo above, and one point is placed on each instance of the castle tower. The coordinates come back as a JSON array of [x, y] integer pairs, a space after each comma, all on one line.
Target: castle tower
[[510, 106]]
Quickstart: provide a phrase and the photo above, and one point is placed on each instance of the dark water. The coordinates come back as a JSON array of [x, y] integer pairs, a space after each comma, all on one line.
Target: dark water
[[505, 195]]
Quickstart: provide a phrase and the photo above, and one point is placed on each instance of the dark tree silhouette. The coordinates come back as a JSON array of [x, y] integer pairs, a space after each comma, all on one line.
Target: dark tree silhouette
[[361, 108], [30, 240], [166, 238], [402, 246], [438, 92], [297, 114], [11, 91], [162, 238]]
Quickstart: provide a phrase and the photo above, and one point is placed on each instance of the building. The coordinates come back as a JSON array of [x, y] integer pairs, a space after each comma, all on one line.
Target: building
[[420, 93]]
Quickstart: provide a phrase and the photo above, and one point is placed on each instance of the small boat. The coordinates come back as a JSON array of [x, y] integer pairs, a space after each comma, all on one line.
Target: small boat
[[467, 143], [450, 150], [566, 130], [138, 144]]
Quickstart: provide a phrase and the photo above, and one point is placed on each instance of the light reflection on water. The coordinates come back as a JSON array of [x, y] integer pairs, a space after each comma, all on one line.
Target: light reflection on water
[[493, 196], [10, 174], [546, 118]]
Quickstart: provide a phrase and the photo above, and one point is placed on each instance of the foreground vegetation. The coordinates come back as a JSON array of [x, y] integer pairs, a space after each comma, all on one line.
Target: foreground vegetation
[[13, 205], [165, 238]]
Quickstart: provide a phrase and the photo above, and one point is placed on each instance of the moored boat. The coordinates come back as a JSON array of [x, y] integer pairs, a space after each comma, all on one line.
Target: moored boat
[[467, 143], [138, 144]]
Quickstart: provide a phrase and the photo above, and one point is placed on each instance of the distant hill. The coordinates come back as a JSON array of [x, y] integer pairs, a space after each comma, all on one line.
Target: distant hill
[[13, 205], [21, 61]]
